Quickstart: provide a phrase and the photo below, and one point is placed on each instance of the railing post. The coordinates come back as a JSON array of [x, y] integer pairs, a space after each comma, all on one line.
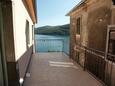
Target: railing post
[[85, 60], [111, 72]]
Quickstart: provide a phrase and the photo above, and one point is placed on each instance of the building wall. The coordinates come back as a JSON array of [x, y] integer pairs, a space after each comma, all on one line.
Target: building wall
[[8, 40], [20, 16], [21, 22], [17, 54], [82, 13], [72, 37], [99, 17], [113, 15], [96, 15]]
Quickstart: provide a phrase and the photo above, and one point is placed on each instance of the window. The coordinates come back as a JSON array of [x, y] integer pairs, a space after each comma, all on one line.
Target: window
[[78, 25], [113, 2], [27, 34], [32, 32]]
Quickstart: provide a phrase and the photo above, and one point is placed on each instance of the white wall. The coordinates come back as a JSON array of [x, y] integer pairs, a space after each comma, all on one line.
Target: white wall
[[20, 15]]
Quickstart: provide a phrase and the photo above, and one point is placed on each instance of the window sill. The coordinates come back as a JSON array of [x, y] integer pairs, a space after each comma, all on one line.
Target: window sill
[[77, 37]]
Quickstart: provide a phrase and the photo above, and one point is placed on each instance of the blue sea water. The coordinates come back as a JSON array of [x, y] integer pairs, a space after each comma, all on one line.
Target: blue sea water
[[52, 43]]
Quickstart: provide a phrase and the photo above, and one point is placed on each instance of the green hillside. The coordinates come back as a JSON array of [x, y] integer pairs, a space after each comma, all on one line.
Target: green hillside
[[53, 30]]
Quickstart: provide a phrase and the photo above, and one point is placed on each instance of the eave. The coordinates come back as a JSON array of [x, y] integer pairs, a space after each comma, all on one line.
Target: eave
[[76, 7], [30, 6]]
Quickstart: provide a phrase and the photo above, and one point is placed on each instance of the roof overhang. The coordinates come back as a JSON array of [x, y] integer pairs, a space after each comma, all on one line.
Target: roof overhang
[[31, 8], [35, 8], [77, 6]]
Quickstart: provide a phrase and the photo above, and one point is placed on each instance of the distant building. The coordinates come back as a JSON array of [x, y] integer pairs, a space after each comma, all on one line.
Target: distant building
[[92, 37], [17, 19]]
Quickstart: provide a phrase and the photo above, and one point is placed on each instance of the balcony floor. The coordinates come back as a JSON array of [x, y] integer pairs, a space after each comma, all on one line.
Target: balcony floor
[[56, 69]]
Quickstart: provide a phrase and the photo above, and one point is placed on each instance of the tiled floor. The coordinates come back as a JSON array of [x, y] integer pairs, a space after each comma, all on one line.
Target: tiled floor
[[56, 69]]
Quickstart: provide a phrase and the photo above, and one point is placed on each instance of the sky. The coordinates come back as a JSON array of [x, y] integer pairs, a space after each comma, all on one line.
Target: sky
[[52, 12]]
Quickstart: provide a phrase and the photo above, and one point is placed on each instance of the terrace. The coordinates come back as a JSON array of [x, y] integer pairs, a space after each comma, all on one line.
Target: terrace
[[56, 69]]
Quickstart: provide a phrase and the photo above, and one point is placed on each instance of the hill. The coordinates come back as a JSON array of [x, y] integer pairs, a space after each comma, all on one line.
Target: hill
[[53, 30]]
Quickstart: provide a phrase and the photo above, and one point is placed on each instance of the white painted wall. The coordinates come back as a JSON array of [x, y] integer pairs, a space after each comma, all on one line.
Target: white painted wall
[[20, 15]]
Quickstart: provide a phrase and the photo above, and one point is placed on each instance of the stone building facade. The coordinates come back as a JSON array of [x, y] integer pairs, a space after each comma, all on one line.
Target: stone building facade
[[89, 22]]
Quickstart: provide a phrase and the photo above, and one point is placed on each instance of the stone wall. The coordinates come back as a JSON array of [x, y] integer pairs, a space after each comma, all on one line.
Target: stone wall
[[98, 21], [95, 15], [72, 36]]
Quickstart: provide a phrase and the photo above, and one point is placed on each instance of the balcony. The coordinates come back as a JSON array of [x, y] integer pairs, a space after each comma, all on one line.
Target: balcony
[[56, 69]]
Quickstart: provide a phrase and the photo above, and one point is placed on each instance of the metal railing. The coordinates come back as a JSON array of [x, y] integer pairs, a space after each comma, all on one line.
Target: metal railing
[[99, 65], [52, 45]]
